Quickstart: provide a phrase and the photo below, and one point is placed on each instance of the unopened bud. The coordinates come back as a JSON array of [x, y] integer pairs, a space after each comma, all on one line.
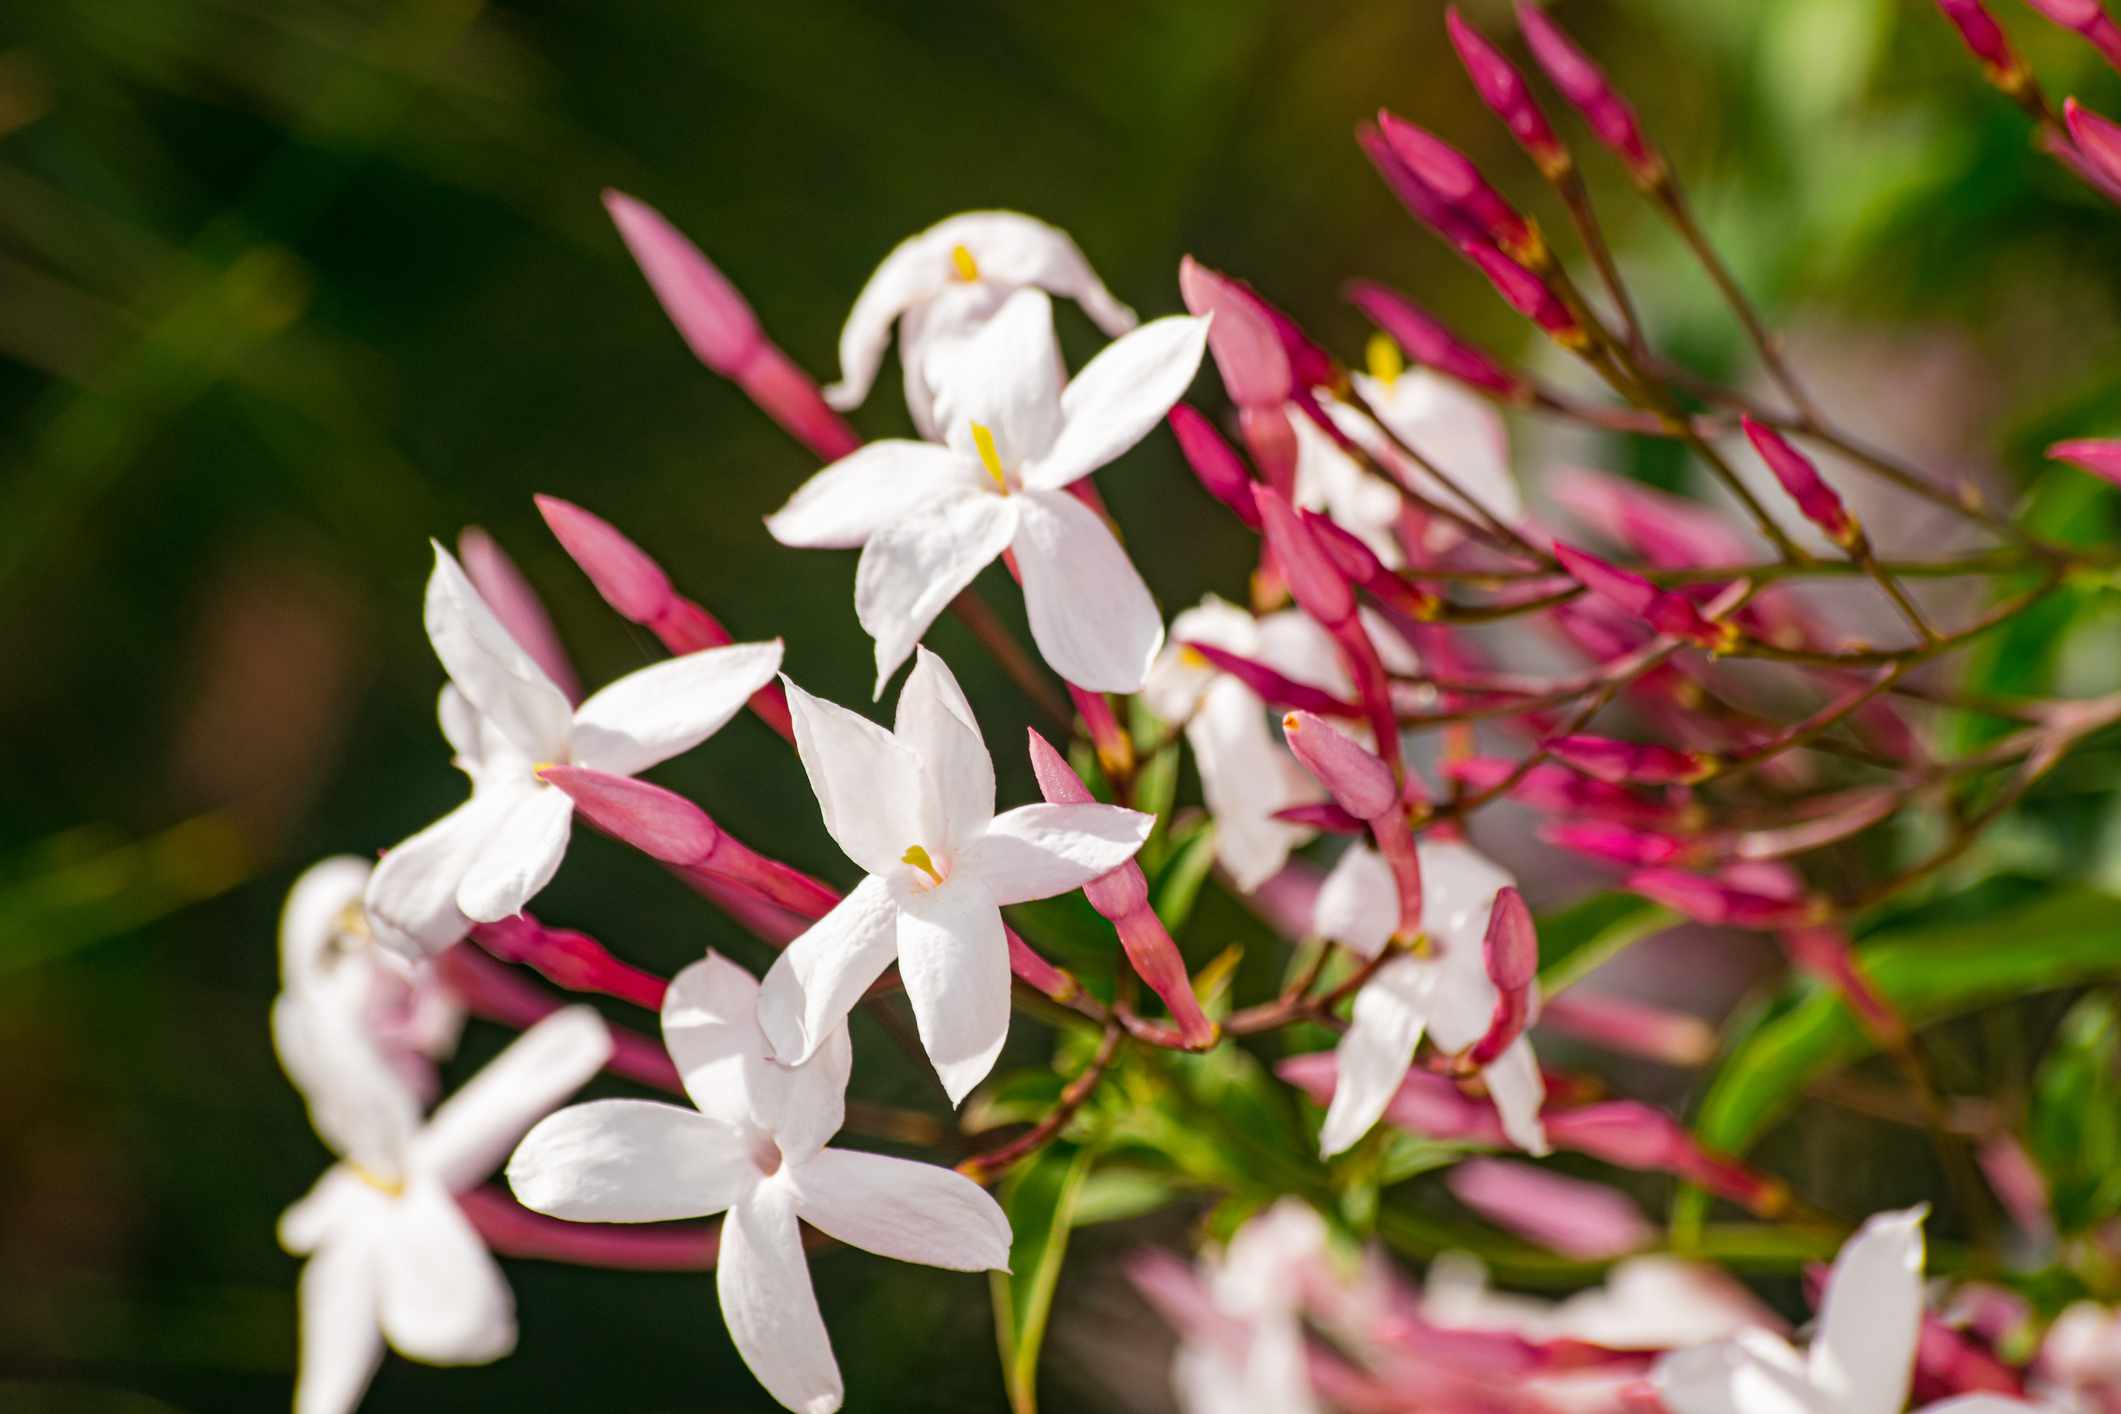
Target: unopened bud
[[1271, 685], [1357, 778], [1360, 564], [1670, 614], [1429, 343], [1818, 501], [517, 606], [2099, 456], [1214, 461], [1584, 84], [630, 581], [1454, 177], [1247, 348], [1635, 762], [1529, 295], [1314, 581], [660, 823], [1722, 903], [2098, 140], [2088, 18], [1423, 202], [1984, 37], [1510, 953], [1503, 89]]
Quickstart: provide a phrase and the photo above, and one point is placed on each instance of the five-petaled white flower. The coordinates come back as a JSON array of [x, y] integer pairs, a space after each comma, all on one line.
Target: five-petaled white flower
[[755, 1148], [1450, 427], [328, 951], [1447, 994], [928, 517], [915, 808], [1862, 1355], [505, 719], [942, 284], [391, 1256], [1243, 1351]]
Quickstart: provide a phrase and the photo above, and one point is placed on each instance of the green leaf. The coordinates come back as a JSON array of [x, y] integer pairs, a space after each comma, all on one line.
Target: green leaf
[[1177, 885], [2074, 1125], [1114, 1194], [1040, 1198], [1577, 939], [1021, 1097], [2068, 935]]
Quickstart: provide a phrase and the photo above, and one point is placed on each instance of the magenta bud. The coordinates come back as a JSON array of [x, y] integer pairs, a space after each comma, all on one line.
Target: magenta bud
[[1314, 580], [630, 581], [1662, 529], [1559, 789], [2088, 18], [1214, 461], [1429, 343], [1423, 202], [1584, 84], [1360, 564], [517, 606], [1247, 348], [2098, 139], [1566, 1215], [1310, 366], [713, 318], [1817, 500], [1323, 816], [1270, 686], [1981, 33], [1510, 952], [1669, 614], [1720, 902], [1453, 176], [1503, 89], [1125, 888], [1617, 844], [1528, 295], [2099, 456], [1625, 762], [1356, 777], [661, 824]]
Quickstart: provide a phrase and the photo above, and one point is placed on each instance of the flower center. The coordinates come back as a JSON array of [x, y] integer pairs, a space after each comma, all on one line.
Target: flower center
[[388, 1187], [962, 265], [766, 1155], [918, 858], [1385, 360], [989, 457]]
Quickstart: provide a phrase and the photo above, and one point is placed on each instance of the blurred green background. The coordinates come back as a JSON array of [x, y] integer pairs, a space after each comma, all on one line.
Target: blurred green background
[[287, 286]]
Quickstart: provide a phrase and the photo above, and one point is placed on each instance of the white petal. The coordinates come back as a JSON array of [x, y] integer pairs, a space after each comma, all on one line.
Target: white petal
[[358, 1104], [1373, 1057], [907, 1211], [1007, 377], [819, 977], [443, 1300], [1120, 396], [870, 788], [333, 1203], [1980, 1404], [656, 713], [866, 490], [936, 724], [1012, 248], [490, 668], [1871, 1316], [911, 569], [469, 1133], [1246, 774], [1358, 904], [1518, 1090], [521, 855], [1457, 431], [764, 1285], [1091, 615], [412, 895], [315, 911], [1177, 679], [341, 1345], [954, 961], [630, 1161], [914, 270], [1329, 480], [711, 1025], [1743, 1376], [1037, 851]]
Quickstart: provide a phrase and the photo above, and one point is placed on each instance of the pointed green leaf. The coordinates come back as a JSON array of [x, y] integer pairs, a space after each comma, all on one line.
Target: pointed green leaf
[[1040, 1197]]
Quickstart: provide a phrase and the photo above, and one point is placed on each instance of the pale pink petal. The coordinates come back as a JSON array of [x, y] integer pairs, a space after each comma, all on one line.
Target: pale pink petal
[[1373, 1057], [442, 1298], [490, 668], [1037, 851], [1516, 1087], [411, 899], [870, 788], [1119, 398], [911, 569], [1007, 378], [711, 1026], [864, 491], [910, 1212], [1246, 775], [521, 855], [1358, 904], [631, 1161], [660, 711], [767, 1302], [954, 961], [936, 724], [516, 605], [469, 1133], [816, 981], [341, 1345], [1091, 616], [1871, 1315]]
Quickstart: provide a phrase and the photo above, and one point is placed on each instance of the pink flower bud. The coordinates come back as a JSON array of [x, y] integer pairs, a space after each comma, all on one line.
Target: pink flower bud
[[1310, 366], [1314, 581], [1360, 563], [517, 606], [1559, 789], [1270, 686], [1566, 1215], [1817, 500], [1215, 462], [2099, 456], [1452, 175], [1633, 1135], [630, 581], [1617, 844], [1669, 614], [1584, 84], [1981, 32], [1429, 343], [1716, 901], [1248, 350], [1662, 529], [1529, 295], [1356, 777], [1323, 816], [1503, 89], [1423, 202], [1631, 762], [1510, 952], [1630, 1027], [569, 959], [2088, 18], [659, 823]]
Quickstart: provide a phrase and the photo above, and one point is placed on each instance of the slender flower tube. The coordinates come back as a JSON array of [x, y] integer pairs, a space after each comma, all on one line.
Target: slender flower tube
[[1818, 501], [2101, 457], [1510, 952], [1364, 785], [1453, 176], [720, 329], [517, 606], [1254, 363], [1827, 955], [569, 959], [1631, 762], [1717, 902], [1585, 86], [1563, 791], [1430, 343], [2097, 139], [1275, 688], [1618, 844], [1524, 291], [1983, 37], [1670, 614], [1566, 1215], [1630, 1027], [1360, 564], [1504, 90], [1123, 897], [638, 590], [2088, 18], [1215, 462]]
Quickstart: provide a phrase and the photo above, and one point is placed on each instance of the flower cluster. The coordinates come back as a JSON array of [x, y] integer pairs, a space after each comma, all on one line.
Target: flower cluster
[[1645, 677]]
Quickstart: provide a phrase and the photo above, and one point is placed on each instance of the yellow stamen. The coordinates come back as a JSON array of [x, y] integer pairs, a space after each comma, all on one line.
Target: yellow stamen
[[963, 265], [988, 456], [1385, 360], [389, 1186], [918, 858], [1193, 658]]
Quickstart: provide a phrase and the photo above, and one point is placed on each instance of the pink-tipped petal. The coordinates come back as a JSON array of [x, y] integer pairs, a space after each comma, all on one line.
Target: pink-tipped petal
[[715, 322], [1247, 348], [517, 606], [2099, 456], [1357, 778], [623, 573]]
